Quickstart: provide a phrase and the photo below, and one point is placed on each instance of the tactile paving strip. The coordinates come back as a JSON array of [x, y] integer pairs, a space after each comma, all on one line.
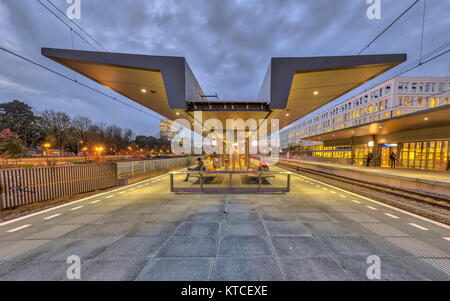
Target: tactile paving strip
[[417, 247], [441, 264]]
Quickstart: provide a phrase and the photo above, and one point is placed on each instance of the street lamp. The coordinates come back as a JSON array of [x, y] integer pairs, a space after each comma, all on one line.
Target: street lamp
[[99, 150], [46, 146], [85, 149]]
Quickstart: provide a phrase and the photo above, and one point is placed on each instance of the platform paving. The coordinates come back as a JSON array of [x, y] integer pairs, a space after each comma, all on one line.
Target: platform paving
[[315, 232]]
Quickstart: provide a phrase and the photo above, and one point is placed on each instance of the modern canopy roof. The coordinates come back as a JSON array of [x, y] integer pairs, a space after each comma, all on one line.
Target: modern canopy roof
[[292, 88]]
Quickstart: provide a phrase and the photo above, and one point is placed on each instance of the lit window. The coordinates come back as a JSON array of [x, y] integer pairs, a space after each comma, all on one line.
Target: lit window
[[433, 102]]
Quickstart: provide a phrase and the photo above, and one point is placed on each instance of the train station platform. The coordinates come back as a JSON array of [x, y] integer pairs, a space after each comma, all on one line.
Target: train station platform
[[424, 181]]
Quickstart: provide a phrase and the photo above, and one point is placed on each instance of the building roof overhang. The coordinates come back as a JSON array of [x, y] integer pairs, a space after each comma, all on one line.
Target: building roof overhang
[[167, 86], [429, 118]]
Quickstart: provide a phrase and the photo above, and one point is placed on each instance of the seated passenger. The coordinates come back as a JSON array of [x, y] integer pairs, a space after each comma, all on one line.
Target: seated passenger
[[199, 166], [263, 165]]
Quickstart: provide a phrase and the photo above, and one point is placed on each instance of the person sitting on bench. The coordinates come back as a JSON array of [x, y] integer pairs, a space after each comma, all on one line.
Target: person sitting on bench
[[263, 165], [198, 167]]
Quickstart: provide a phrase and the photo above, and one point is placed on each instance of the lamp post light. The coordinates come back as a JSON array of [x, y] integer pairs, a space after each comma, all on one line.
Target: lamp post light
[[78, 146], [46, 146], [99, 150], [85, 149]]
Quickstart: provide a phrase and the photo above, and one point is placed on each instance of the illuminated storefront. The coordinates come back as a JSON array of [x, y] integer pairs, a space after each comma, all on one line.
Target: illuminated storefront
[[432, 155]]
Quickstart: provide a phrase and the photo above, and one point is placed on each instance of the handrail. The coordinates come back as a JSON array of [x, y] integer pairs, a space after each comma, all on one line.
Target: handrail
[[244, 172]]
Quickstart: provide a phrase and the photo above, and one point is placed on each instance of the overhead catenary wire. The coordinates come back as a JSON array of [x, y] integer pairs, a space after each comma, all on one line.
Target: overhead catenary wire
[[423, 26], [417, 63], [78, 26], [389, 26], [77, 82], [59, 18]]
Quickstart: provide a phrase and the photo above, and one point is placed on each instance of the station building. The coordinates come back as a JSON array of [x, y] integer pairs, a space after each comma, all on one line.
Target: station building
[[293, 87], [167, 129], [316, 138]]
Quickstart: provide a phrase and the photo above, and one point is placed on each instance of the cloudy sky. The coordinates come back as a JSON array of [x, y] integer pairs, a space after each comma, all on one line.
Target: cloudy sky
[[228, 44]]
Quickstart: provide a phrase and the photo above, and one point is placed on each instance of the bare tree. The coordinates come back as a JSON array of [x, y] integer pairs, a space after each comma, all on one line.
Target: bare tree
[[58, 126], [81, 126]]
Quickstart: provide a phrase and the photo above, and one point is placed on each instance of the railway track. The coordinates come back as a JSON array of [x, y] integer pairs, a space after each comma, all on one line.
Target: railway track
[[434, 201]]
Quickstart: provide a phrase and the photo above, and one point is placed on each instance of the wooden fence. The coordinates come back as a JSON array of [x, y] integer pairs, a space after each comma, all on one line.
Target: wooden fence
[[22, 186]]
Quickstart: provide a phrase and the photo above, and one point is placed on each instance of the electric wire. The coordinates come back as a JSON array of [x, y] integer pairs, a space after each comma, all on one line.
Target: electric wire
[[77, 82]]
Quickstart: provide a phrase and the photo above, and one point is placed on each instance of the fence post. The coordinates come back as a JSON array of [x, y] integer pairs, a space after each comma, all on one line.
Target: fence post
[[201, 181], [289, 182], [259, 182]]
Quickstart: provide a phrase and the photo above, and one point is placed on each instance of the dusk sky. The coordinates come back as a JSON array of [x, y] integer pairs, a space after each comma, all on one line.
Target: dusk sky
[[228, 44]]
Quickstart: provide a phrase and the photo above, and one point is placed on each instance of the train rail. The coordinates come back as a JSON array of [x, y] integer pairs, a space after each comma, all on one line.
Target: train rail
[[430, 200]]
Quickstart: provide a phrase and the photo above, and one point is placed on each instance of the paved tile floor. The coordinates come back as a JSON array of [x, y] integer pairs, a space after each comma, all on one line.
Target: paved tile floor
[[316, 232]]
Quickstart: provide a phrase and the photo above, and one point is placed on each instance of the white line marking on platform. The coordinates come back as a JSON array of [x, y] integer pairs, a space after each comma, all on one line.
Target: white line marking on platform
[[52, 216], [391, 215], [78, 201], [372, 208], [111, 196], [18, 228], [76, 208], [333, 192], [122, 192], [355, 201], [418, 226], [95, 202], [131, 189], [342, 196], [140, 186]]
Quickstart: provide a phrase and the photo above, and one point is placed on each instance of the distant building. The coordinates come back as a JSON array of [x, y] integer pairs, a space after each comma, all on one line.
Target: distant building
[[167, 129], [395, 97]]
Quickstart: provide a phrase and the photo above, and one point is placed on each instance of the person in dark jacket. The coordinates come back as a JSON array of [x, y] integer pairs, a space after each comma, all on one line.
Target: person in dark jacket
[[199, 166], [393, 158], [369, 159]]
